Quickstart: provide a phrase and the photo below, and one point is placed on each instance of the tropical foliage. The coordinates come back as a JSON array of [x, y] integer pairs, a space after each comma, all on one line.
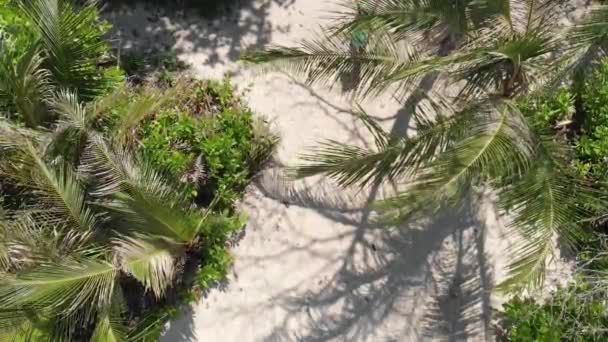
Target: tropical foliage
[[220, 144], [493, 53], [96, 235], [65, 252], [571, 314], [47, 45], [592, 145]]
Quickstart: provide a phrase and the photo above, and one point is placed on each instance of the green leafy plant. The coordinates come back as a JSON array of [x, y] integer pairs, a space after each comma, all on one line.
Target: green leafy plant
[[569, 314], [73, 44], [16, 32], [210, 140], [592, 145], [549, 109]]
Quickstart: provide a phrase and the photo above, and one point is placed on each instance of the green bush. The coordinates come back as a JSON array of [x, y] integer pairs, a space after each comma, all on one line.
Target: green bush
[[207, 138], [204, 136], [546, 110], [570, 314], [592, 145], [16, 32]]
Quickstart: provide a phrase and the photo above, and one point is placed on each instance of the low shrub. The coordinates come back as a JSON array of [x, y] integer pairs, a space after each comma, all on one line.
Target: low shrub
[[592, 144], [570, 314], [16, 32], [547, 110], [208, 139]]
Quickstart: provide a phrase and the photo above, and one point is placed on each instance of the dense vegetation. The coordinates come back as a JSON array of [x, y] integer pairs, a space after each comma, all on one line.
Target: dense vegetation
[[579, 311], [117, 198], [219, 144], [569, 315], [118, 190]]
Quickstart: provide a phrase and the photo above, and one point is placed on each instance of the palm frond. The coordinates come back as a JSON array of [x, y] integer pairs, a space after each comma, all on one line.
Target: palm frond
[[145, 200], [20, 243], [69, 110], [508, 67], [13, 138], [109, 329], [584, 44], [16, 326], [25, 84], [328, 60], [60, 196], [110, 326], [546, 201], [149, 260], [495, 146], [591, 30], [71, 128], [392, 157], [117, 169], [72, 40], [62, 288], [140, 108], [405, 19]]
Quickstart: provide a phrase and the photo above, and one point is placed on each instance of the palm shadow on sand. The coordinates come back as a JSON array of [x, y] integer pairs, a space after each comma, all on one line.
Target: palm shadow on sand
[[433, 274]]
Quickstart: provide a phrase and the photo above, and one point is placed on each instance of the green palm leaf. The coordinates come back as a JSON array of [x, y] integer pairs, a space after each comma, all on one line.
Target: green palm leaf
[[25, 85], [62, 288], [110, 324], [77, 122], [546, 201], [138, 109], [592, 30], [495, 147], [61, 198], [393, 157], [427, 22], [149, 260], [15, 326], [109, 329], [327, 60], [72, 40], [144, 199]]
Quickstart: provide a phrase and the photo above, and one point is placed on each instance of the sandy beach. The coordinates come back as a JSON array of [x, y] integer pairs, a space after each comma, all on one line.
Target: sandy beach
[[312, 266]]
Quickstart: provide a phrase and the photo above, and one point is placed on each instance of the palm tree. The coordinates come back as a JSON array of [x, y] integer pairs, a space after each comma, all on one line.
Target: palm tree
[[65, 54], [66, 252], [503, 50]]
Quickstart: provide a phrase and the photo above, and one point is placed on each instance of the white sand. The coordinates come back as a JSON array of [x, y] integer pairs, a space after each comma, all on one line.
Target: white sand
[[311, 267]]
